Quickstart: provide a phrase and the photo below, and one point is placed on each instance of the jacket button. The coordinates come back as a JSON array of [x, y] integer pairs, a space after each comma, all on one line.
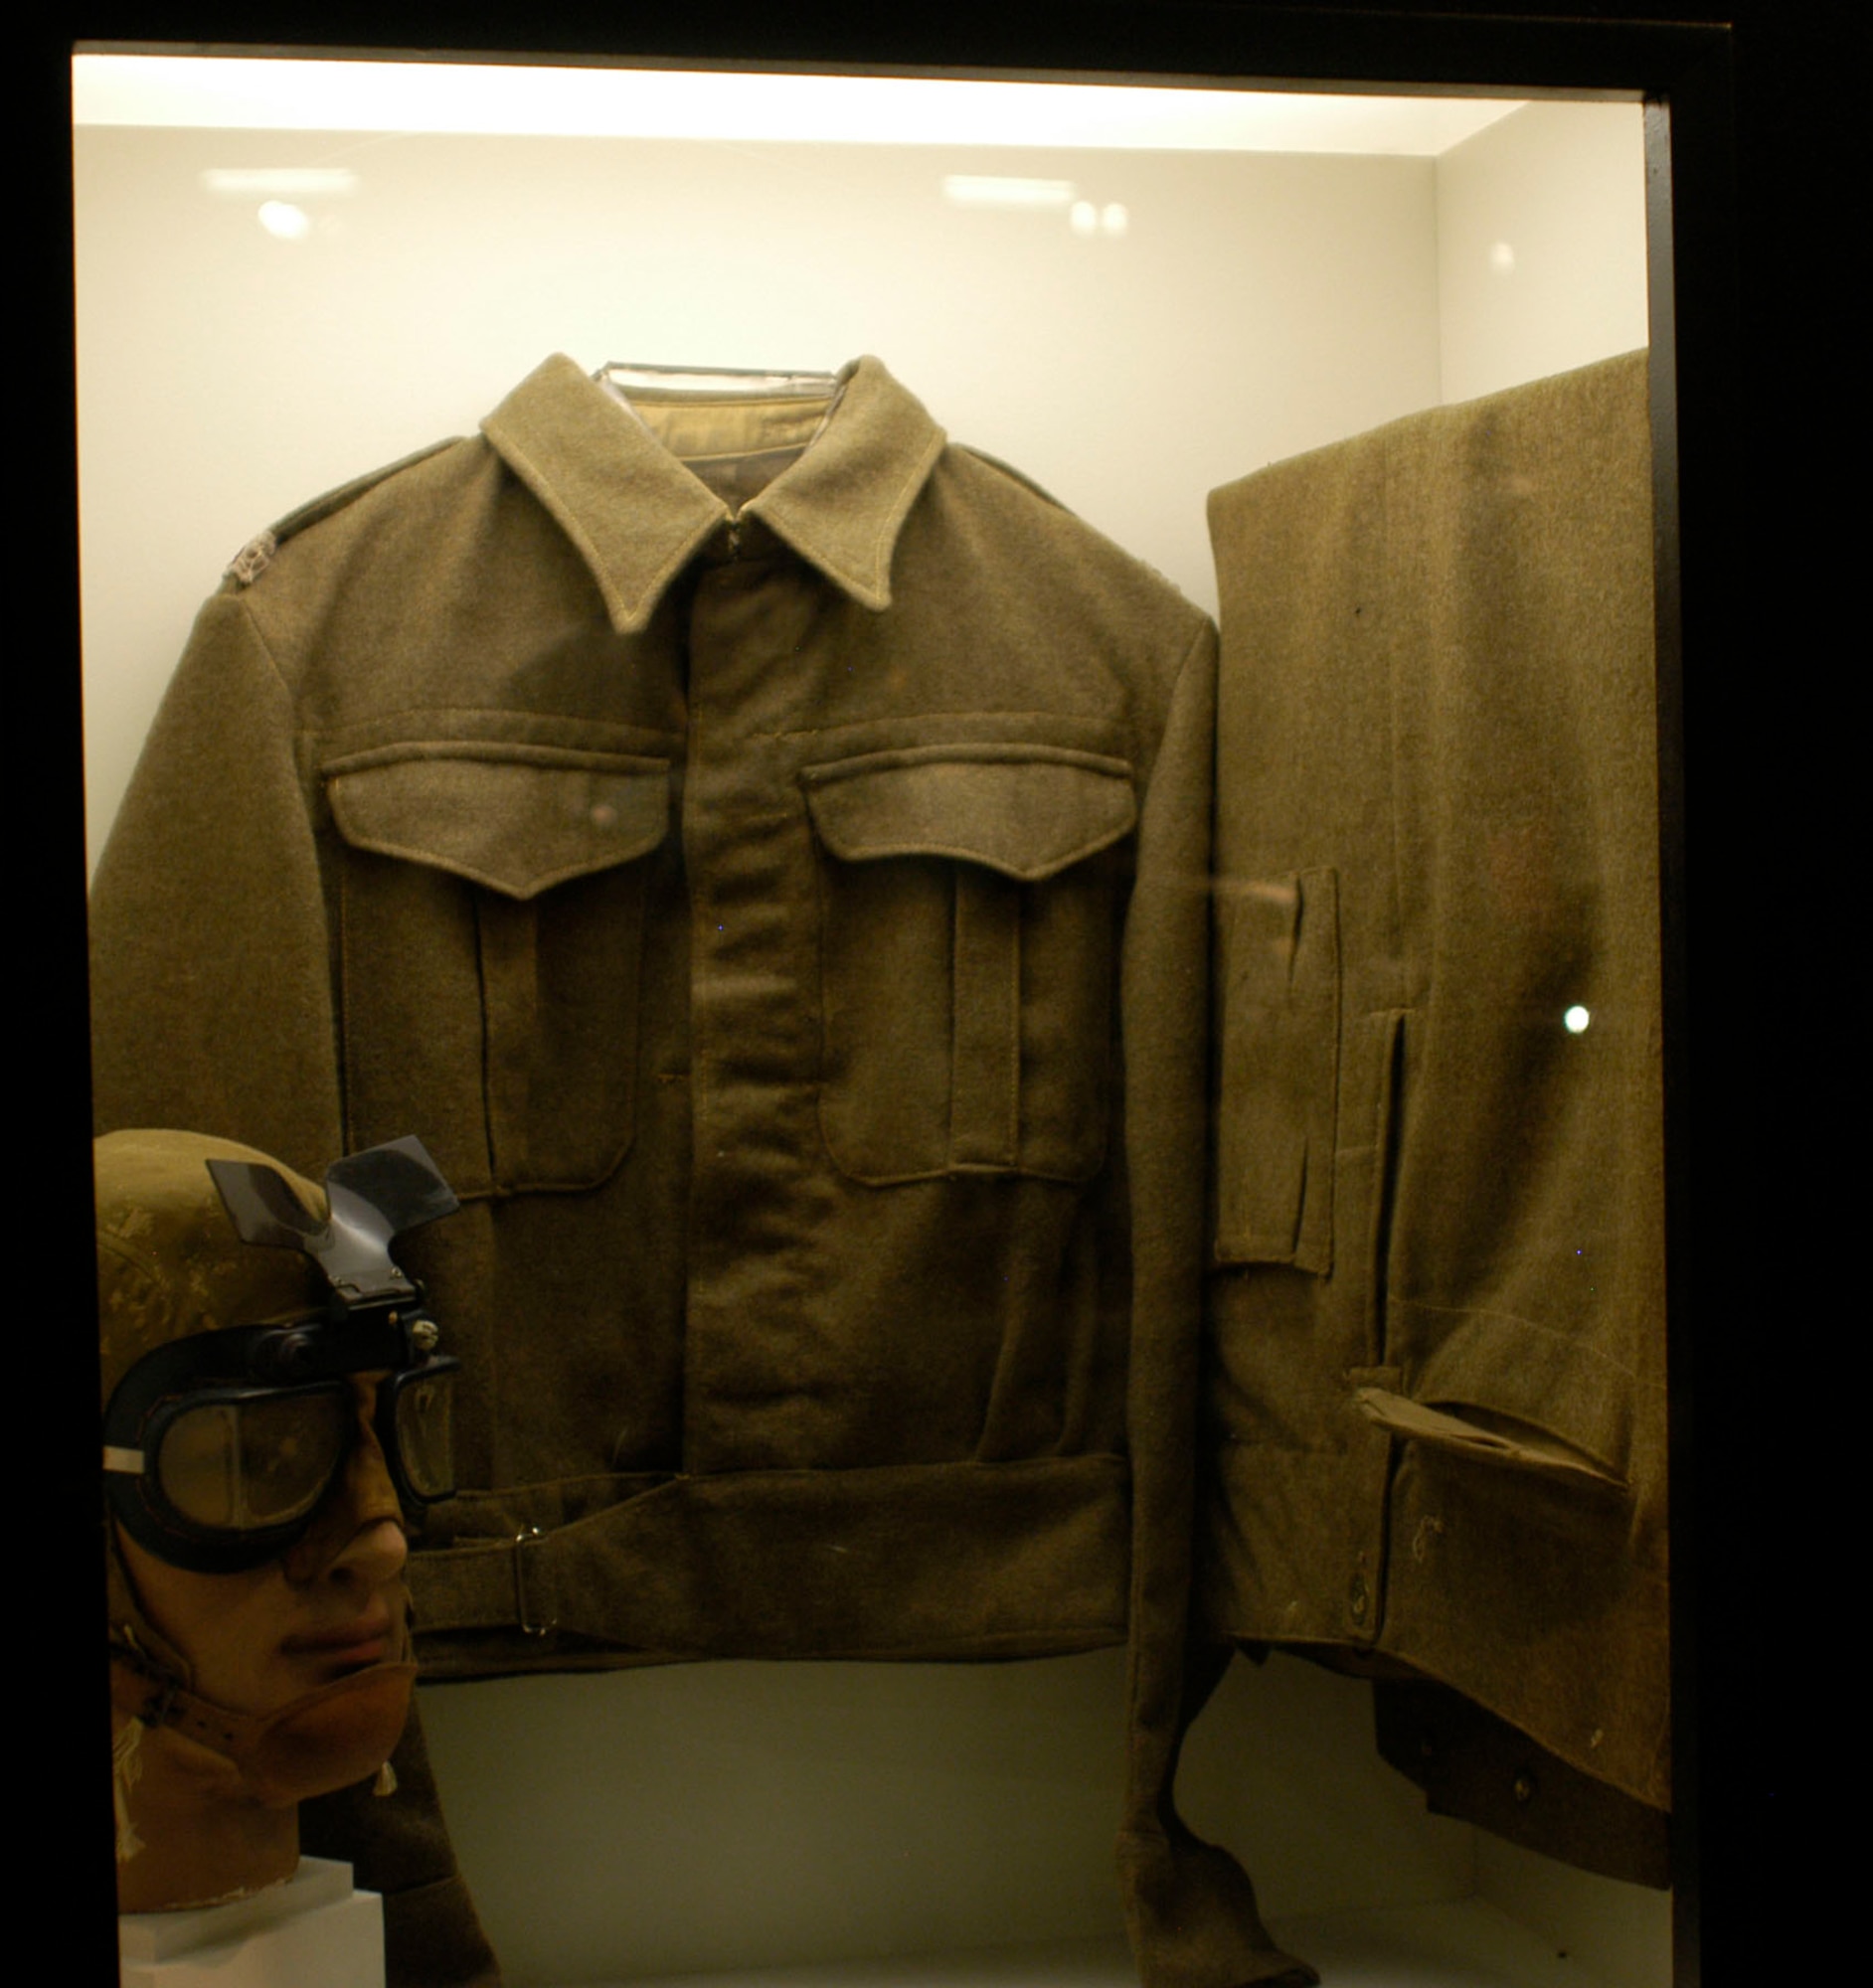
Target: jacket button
[[1523, 1786], [1358, 1597]]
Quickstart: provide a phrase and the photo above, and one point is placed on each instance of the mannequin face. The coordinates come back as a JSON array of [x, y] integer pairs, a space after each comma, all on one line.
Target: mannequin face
[[332, 1603]]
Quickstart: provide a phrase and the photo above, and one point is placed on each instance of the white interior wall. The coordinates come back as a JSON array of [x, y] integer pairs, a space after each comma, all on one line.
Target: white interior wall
[[1249, 306], [1541, 244], [1618, 1934]]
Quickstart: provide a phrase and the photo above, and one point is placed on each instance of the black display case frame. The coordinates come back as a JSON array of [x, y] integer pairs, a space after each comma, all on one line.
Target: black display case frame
[[1752, 170]]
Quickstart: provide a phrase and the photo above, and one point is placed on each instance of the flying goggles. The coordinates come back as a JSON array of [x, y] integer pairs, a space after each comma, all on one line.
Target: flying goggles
[[219, 1447]]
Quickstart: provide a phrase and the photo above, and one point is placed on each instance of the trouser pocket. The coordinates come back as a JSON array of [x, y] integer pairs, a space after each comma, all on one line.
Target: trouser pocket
[[1278, 1069]]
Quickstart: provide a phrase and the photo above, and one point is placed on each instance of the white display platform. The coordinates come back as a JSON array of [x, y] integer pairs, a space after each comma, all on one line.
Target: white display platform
[[313, 1931], [1457, 1944]]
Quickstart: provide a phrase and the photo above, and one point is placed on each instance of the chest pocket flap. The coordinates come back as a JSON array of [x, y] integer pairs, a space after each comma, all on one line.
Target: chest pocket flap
[[512, 825], [492, 943], [1009, 809], [967, 955]]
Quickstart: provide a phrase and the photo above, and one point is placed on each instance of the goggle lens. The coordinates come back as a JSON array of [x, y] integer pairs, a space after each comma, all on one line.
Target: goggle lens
[[424, 1430], [246, 1466]]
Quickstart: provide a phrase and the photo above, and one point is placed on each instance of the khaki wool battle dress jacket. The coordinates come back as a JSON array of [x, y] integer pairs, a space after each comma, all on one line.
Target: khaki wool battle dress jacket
[[762, 848]]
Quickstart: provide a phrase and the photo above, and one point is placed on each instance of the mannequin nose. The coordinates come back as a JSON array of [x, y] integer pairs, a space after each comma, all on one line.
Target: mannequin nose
[[377, 1546], [376, 1552]]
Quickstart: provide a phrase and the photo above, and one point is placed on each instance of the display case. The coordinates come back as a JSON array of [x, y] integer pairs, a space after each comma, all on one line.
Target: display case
[[1133, 293]]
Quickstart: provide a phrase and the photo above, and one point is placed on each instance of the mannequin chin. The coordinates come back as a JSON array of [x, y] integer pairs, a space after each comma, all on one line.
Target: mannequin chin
[[296, 1685]]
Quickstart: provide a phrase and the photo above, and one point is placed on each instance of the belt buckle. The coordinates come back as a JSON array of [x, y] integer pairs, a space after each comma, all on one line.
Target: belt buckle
[[527, 1629]]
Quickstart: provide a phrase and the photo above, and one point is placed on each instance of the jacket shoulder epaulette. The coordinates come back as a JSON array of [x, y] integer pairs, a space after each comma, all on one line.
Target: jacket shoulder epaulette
[[1014, 475], [251, 560]]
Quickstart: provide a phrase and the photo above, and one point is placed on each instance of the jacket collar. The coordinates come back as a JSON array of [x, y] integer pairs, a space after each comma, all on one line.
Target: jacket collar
[[637, 516]]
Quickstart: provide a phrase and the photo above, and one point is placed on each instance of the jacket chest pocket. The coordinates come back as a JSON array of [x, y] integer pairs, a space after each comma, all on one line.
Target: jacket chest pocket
[[492, 916], [969, 900]]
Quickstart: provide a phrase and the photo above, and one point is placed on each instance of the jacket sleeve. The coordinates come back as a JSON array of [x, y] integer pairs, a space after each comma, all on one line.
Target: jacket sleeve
[[1190, 1909], [1164, 999], [211, 991], [211, 1010]]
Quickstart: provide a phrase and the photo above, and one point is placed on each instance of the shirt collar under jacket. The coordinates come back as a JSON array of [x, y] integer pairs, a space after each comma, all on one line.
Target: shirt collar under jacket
[[637, 515]]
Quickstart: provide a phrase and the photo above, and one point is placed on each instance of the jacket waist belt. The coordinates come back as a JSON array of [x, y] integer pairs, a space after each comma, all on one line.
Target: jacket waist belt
[[930, 1561]]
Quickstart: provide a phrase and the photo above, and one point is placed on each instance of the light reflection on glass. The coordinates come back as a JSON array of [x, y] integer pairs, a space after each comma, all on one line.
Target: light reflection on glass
[[282, 217], [1004, 189]]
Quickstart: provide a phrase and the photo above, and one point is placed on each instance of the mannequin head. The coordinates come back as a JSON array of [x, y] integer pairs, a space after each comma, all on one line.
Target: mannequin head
[[332, 1603], [260, 1477]]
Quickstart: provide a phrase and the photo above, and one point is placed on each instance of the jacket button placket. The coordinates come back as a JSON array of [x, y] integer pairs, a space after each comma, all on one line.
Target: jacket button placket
[[752, 1009]]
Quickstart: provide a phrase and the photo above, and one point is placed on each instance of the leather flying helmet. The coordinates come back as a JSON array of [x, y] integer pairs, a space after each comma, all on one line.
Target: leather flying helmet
[[234, 1302]]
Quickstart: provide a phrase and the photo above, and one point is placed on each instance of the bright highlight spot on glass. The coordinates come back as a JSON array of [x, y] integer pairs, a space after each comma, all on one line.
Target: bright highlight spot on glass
[[1502, 259], [282, 217], [998, 189], [1576, 1020], [1084, 219], [1115, 217], [280, 181]]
